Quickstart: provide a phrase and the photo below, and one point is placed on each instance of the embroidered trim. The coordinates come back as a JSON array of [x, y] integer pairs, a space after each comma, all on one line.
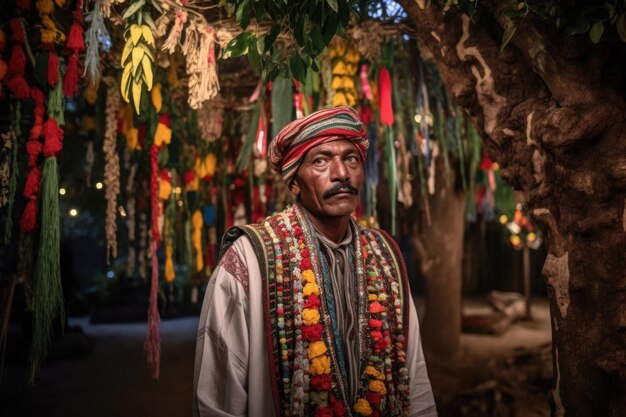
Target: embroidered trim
[[235, 266]]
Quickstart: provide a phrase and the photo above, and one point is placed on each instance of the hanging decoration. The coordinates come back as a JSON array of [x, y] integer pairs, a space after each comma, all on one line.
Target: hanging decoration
[[96, 34], [112, 165]]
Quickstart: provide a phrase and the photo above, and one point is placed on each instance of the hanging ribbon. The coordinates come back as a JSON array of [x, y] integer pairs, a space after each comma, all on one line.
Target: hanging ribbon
[[386, 119]]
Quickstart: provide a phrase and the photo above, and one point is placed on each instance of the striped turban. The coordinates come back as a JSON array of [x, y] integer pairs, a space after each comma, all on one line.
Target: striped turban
[[287, 150]]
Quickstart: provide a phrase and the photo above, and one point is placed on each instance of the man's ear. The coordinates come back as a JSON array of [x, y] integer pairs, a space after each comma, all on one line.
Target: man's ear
[[294, 187]]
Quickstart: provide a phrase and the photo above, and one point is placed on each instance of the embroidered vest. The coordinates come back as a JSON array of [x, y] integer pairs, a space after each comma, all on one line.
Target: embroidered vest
[[301, 334]]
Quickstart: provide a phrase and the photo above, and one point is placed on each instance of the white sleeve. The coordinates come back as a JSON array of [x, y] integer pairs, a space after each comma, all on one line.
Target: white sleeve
[[222, 346], [422, 401]]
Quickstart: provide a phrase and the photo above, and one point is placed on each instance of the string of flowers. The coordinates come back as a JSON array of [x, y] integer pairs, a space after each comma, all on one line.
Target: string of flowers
[[112, 165]]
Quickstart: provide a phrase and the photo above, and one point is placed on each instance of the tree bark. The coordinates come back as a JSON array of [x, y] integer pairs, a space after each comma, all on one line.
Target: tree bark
[[551, 110], [439, 247]]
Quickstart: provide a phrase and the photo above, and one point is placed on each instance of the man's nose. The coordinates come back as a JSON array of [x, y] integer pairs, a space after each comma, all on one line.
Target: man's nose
[[339, 170]]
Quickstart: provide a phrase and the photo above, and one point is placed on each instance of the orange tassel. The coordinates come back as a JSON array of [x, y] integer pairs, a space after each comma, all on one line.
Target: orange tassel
[[28, 222], [70, 82], [53, 69], [75, 40], [53, 138]]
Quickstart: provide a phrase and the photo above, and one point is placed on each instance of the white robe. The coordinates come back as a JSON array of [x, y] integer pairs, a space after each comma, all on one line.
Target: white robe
[[231, 376]]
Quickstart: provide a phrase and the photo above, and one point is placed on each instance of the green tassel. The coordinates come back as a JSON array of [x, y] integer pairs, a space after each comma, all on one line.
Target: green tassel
[[390, 153], [56, 102], [246, 149], [282, 104], [8, 225], [48, 295]]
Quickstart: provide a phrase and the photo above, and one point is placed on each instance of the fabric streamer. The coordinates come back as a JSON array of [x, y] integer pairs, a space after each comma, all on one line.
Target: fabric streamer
[[282, 108]]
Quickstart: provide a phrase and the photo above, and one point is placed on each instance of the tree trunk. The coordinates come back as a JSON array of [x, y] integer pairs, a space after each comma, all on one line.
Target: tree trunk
[[550, 108], [439, 248]]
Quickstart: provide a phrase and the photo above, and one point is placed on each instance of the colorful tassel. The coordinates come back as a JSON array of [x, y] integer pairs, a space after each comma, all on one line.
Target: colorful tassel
[[28, 221], [53, 138], [53, 69], [33, 183], [75, 40], [17, 62], [18, 86], [196, 237]]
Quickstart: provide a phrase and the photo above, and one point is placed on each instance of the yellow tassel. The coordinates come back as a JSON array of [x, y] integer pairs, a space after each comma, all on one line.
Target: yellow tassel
[[45, 6], [165, 189], [169, 264], [211, 163], [157, 99], [339, 99], [132, 139], [162, 135], [196, 237]]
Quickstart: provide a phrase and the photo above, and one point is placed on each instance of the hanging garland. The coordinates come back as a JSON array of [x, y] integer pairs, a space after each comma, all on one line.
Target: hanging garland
[[112, 165]]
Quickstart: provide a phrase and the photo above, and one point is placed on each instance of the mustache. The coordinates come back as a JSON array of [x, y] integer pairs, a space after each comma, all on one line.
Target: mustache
[[340, 188]]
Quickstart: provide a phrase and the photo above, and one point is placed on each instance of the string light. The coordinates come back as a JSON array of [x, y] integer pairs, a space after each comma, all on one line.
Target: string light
[[99, 185], [62, 191], [73, 212], [122, 211]]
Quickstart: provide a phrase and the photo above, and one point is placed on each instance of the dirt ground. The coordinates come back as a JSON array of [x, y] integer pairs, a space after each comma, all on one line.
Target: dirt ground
[[493, 375]]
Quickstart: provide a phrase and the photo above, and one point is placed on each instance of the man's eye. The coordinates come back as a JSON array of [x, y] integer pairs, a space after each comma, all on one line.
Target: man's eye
[[351, 158], [318, 161]]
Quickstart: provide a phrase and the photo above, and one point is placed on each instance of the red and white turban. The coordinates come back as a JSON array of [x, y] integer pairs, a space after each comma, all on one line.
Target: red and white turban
[[289, 147]]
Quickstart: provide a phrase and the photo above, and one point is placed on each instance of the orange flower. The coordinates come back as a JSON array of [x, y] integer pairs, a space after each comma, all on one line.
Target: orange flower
[[310, 316], [373, 372], [319, 365], [377, 386], [372, 297], [311, 288], [363, 407], [308, 276], [375, 307], [316, 349]]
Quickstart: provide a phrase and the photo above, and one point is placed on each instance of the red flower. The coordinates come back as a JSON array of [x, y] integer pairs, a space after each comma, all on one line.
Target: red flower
[[312, 332], [373, 398], [321, 382], [323, 411], [305, 264], [375, 307], [381, 344], [305, 253], [312, 302], [376, 335], [376, 324]]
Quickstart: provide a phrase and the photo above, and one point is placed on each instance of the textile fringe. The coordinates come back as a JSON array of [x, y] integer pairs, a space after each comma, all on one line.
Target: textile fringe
[[112, 165], [56, 101], [48, 294], [199, 50]]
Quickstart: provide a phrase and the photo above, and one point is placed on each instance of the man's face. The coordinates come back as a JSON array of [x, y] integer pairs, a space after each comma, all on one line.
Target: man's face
[[329, 179]]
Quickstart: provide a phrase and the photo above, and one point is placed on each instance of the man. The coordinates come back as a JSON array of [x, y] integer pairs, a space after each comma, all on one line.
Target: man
[[309, 314]]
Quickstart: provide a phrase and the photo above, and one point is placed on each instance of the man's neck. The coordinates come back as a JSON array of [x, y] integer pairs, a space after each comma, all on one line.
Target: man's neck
[[332, 228]]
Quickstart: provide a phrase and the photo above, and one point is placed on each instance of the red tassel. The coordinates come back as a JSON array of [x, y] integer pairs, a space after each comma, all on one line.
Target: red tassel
[[70, 82], [24, 5], [152, 344], [17, 30], [33, 148], [28, 222], [17, 62], [39, 98], [19, 87], [33, 183], [53, 138], [53, 69], [384, 98], [75, 40]]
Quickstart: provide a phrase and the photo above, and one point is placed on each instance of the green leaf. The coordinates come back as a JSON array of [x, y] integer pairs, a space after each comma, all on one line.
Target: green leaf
[[149, 21], [317, 41], [620, 24], [259, 10], [271, 36], [299, 29], [243, 14], [508, 35], [132, 9], [238, 46], [329, 28], [333, 5], [253, 53], [596, 32], [297, 67]]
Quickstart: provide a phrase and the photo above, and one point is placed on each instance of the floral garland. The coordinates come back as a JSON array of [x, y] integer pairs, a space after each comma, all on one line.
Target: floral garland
[[308, 366]]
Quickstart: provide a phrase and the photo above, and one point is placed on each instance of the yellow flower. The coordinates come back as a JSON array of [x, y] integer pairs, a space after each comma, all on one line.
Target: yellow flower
[[373, 372], [310, 316], [319, 365], [377, 386], [311, 288], [308, 275], [372, 297], [165, 189], [363, 407], [316, 349]]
